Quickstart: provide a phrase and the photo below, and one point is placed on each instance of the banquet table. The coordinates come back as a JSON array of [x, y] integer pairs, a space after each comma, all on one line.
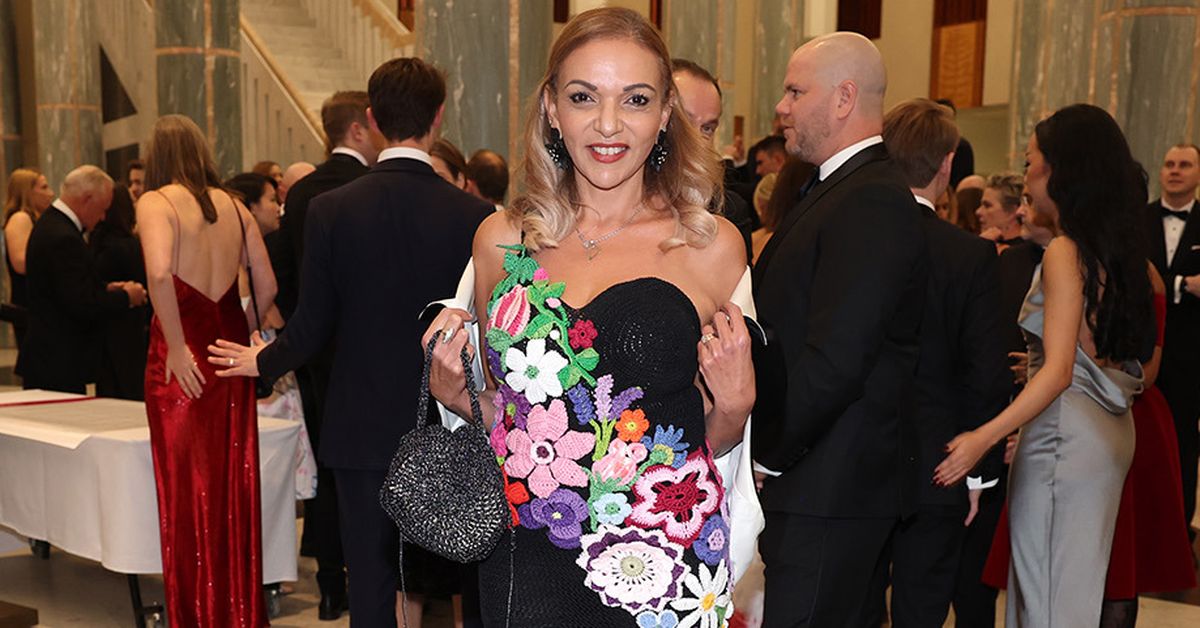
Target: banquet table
[[76, 471]]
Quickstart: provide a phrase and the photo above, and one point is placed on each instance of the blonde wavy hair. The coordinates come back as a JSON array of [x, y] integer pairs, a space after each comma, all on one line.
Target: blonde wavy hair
[[20, 193], [689, 180]]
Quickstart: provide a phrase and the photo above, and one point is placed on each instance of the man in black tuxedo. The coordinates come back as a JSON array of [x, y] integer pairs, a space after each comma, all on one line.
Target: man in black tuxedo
[[355, 147], [1174, 231], [376, 251], [962, 379], [67, 301], [839, 289]]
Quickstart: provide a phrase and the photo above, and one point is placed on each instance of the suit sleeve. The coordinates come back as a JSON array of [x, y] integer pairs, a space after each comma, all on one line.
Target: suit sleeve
[[77, 289], [985, 378], [312, 324], [870, 248]]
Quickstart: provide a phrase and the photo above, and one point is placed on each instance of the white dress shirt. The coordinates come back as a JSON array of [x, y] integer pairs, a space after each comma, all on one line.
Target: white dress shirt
[[343, 150], [405, 152], [1172, 231], [842, 156], [61, 206]]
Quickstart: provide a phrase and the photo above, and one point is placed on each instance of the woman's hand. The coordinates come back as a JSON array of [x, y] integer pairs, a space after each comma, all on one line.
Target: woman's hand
[[1019, 367], [965, 451], [447, 381], [728, 374], [183, 367]]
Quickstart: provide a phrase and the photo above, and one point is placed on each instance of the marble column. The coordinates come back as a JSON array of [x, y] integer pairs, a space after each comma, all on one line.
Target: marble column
[[530, 38], [469, 41], [10, 103], [198, 48], [63, 65], [1139, 59], [778, 30]]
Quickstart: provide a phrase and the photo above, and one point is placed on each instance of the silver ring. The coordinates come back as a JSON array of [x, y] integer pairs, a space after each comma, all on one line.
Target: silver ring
[[230, 361], [706, 338]]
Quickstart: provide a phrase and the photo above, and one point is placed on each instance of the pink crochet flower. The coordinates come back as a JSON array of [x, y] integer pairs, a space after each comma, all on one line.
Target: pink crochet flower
[[677, 500], [621, 461], [545, 451], [511, 312]]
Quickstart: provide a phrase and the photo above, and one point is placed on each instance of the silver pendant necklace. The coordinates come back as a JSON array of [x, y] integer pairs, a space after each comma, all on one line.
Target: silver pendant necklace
[[592, 245]]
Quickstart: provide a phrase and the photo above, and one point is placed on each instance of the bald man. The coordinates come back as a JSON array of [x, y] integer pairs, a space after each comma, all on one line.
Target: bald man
[[840, 290], [294, 173]]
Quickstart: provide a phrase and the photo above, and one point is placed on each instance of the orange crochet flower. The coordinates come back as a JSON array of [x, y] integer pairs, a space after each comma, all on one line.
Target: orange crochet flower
[[632, 425]]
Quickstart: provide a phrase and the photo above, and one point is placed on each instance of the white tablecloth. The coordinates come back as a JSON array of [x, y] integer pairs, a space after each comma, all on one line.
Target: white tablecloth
[[79, 475]]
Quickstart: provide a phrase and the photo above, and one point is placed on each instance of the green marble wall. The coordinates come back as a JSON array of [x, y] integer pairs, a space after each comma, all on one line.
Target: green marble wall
[[1133, 57], [195, 54], [66, 86], [468, 40], [778, 30], [10, 102], [536, 24]]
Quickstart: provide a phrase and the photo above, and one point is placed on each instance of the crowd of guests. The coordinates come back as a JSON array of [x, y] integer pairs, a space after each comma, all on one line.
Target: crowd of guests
[[946, 369]]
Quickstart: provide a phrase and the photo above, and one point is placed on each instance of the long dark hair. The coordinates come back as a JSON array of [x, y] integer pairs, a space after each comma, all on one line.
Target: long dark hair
[[179, 153], [1100, 190], [120, 214]]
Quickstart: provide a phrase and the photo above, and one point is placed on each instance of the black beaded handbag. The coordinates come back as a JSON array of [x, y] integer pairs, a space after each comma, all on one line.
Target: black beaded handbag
[[444, 489]]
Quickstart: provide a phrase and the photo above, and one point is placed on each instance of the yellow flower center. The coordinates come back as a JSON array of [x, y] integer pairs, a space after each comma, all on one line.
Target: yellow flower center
[[632, 566], [706, 602]]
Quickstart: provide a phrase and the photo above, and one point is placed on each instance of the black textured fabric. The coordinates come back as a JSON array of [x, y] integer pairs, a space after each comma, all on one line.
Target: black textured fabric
[[647, 330]]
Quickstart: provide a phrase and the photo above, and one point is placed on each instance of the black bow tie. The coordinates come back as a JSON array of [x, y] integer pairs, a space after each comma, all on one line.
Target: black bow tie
[[1181, 214]]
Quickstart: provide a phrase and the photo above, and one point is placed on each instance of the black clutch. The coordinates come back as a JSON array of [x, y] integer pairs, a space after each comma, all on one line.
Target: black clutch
[[444, 489]]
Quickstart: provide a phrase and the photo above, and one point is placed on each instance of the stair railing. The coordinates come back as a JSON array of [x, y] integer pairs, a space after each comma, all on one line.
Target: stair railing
[[365, 30]]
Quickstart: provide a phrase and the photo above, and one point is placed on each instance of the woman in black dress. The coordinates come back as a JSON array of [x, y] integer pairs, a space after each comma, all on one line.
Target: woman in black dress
[[118, 256]]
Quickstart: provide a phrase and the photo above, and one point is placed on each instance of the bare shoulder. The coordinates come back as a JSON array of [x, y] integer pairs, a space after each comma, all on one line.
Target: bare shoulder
[[1060, 265], [20, 220], [1061, 251], [722, 263], [498, 229]]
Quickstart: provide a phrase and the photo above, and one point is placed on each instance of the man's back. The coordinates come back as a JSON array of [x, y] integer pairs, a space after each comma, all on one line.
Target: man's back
[[378, 250], [840, 289], [961, 379], [335, 172], [66, 300]]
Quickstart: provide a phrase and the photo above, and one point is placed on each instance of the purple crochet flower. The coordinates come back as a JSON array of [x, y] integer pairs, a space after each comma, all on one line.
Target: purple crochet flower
[[713, 544], [515, 406], [581, 403], [563, 512], [493, 360], [632, 568]]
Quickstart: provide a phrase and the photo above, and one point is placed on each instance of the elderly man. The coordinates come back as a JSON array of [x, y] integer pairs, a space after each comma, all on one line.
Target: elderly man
[[66, 298], [840, 289]]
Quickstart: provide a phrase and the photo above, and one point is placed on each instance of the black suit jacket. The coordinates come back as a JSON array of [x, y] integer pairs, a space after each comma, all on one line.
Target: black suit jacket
[[377, 250], [839, 290], [67, 304], [962, 377], [1181, 338], [288, 251]]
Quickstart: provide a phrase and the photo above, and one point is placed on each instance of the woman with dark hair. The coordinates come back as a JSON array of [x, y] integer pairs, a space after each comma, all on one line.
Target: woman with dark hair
[[260, 195], [449, 163], [619, 369], [966, 202], [1088, 321], [203, 428], [788, 183], [118, 256]]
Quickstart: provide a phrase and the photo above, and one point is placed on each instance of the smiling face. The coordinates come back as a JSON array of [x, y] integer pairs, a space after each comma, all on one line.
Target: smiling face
[[610, 104], [1180, 172]]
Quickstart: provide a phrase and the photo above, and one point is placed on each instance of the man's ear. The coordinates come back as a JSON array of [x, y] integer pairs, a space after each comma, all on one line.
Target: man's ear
[[947, 163], [371, 121]]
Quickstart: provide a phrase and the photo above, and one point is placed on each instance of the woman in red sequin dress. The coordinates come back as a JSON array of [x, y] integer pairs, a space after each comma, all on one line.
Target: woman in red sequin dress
[[203, 429]]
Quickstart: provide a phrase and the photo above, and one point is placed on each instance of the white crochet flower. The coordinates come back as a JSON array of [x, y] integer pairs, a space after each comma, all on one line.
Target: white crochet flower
[[711, 603], [534, 372]]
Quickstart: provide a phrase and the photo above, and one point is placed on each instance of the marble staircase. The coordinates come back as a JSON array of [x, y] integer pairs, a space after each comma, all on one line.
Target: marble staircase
[[323, 46]]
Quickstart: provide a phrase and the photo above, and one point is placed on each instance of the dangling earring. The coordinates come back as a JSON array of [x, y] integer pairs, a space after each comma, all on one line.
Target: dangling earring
[[557, 149], [658, 154]]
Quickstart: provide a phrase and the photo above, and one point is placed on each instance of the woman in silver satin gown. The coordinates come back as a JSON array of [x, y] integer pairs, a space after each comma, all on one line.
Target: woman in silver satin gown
[[1088, 319]]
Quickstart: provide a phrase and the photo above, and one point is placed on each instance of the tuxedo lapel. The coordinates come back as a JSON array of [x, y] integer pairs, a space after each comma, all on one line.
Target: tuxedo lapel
[[1189, 238], [863, 157]]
